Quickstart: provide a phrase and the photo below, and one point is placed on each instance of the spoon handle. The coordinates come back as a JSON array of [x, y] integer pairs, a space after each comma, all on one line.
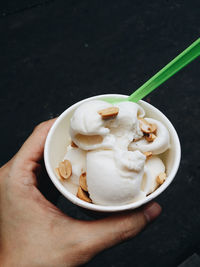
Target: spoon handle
[[165, 73]]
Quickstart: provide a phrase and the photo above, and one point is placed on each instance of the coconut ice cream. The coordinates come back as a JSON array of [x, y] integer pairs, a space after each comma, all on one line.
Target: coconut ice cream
[[115, 156]]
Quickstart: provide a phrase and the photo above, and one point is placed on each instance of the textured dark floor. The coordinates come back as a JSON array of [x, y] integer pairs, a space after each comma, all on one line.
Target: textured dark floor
[[54, 53]]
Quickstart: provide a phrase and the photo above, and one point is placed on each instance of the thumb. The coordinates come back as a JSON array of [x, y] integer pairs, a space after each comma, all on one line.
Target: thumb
[[112, 230], [32, 149], [30, 154]]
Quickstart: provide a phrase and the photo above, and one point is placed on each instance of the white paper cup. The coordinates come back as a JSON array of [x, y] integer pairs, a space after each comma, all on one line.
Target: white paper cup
[[58, 139]]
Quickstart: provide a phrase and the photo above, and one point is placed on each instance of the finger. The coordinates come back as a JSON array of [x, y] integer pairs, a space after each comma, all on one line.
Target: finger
[[112, 230], [32, 150]]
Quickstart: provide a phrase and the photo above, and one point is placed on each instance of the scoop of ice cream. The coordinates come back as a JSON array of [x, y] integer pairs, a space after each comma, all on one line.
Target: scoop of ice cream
[[159, 145], [89, 131], [86, 119], [113, 178], [153, 167]]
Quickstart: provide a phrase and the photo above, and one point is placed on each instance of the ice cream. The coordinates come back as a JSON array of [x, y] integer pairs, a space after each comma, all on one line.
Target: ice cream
[[115, 154]]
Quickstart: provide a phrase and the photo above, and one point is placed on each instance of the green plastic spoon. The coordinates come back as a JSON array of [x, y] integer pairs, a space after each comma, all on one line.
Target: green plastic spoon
[[188, 55]]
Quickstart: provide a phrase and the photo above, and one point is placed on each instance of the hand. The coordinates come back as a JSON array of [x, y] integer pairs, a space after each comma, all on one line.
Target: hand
[[33, 232]]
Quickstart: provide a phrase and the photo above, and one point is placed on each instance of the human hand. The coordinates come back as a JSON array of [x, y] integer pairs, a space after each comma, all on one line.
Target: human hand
[[33, 232]]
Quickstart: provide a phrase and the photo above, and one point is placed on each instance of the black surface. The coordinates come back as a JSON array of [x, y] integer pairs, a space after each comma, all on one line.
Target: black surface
[[193, 261], [54, 53]]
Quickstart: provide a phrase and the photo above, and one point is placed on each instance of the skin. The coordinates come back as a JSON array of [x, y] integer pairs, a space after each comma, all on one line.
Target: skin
[[34, 232]]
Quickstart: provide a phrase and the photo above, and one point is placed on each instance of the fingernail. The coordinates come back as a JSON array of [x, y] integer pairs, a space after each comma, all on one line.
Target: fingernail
[[151, 211]]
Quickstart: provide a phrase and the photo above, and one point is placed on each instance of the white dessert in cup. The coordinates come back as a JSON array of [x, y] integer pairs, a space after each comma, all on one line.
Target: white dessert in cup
[[116, 162]]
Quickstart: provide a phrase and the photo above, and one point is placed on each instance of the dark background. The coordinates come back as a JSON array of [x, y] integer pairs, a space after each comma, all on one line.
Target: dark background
[[55, 53]]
